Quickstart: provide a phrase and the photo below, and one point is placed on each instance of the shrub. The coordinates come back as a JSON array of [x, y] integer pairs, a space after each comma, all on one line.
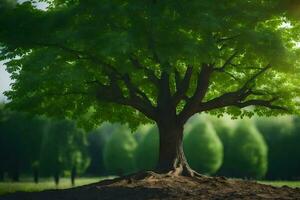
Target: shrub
[[245, 153], [203, 148], [119, 152], [282, 135], [97, 140], [147, 152]]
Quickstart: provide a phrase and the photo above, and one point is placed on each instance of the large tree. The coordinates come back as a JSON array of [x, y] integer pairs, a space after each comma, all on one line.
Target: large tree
[[144, 61]]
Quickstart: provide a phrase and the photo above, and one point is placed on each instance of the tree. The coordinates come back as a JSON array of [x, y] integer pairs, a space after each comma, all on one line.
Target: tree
[[246, 153], [203, 148], [97, 140], [146, 155], [119, 152], [159, 61], [20, 138], [282, 137], [63, 148]]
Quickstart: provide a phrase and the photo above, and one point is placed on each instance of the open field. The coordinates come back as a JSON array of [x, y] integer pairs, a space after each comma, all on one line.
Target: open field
[[293, 184], [46, 184]]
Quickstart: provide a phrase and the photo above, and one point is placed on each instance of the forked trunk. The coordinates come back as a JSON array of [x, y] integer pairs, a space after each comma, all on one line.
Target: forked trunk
[[171, 156]]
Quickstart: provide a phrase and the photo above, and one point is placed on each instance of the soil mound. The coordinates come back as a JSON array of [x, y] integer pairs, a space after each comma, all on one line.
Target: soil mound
[[146, 186]]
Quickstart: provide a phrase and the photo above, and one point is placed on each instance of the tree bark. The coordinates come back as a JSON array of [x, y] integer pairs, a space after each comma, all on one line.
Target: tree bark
[[171, 156]]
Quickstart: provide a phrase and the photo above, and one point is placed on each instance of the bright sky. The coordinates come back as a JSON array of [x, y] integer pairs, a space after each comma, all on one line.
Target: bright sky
[[4, 81], [4, 76]]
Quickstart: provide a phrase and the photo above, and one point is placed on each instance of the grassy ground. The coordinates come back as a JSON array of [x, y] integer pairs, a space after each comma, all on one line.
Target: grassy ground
[[46, 184], [293, 184]]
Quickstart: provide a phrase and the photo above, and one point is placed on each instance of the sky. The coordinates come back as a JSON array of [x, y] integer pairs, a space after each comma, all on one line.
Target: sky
[[5, 81]]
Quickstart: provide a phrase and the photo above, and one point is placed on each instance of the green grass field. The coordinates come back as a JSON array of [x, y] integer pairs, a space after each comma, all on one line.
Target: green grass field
[[46, 184], [293, 184]]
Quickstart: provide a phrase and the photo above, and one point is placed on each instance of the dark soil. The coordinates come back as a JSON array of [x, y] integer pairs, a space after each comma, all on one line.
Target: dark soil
[[145, 186]]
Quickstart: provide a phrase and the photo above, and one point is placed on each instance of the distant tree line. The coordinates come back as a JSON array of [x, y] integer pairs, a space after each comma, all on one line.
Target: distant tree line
[[40, 147]]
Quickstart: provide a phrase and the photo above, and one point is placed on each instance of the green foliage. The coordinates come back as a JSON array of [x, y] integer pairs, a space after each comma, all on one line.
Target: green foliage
[[203, 148], [61, 58], [28, 142], [20, 139], [119, 152], [63, 147], [146, 155], [282, 137], [245, 152], [97, 139]]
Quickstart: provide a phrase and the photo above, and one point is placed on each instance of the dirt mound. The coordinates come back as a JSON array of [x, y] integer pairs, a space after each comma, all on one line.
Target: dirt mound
[[149, 185]]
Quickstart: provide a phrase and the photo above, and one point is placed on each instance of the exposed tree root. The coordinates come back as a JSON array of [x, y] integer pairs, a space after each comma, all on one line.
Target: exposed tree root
[[168, 186]]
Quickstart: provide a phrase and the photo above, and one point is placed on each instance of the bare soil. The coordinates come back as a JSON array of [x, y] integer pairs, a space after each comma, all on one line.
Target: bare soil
[[149, 185]]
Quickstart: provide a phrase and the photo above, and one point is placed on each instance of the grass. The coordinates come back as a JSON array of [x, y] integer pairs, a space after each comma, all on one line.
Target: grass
[[293, 184], [46, 184]]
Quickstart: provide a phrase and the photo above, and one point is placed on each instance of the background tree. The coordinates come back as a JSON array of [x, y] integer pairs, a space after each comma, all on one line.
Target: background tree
[[62, 149], [162, 61], [146, 155], [203, 148], [246, 153], [97, 140], [282, 137], [20, 138], [119, 153]]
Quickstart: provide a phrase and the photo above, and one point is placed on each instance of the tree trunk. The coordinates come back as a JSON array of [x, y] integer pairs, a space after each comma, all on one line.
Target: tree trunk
[[73, 175], [1, 175], [56, 178], [16, 175], [171, 156], [36, 175]]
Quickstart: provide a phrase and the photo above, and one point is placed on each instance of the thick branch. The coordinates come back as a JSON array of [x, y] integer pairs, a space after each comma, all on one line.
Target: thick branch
[[112, 92], [264, 103], [231, 99], [136, 93], [201, 89], [182, 86], [235, 98]]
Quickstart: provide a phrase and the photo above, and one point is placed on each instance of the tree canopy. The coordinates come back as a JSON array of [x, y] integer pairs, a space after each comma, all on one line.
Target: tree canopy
[[99, 60]]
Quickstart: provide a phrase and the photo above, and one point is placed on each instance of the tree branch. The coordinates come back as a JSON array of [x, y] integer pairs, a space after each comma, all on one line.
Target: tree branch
[[224, 39], [264, 103], [254, 77], [182, 86], [227, 62], [201, 89], [230, 99], [235, 98], [112, 92], [149, 73]]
